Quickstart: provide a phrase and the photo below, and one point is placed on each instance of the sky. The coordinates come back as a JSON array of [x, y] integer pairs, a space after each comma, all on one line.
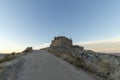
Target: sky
[[94, 24]]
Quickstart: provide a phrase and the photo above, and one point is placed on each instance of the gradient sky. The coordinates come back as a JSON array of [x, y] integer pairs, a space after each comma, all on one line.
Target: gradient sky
[[90, 23]]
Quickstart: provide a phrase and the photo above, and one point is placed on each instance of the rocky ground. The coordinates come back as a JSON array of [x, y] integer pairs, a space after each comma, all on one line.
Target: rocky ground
[[9, 65], [103, 65], [36, 65], [10, 69]]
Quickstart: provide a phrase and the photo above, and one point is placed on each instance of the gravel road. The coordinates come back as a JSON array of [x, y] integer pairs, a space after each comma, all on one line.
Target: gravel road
[[41, 65]]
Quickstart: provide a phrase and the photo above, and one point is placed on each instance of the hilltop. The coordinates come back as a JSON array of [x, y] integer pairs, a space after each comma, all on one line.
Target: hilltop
[[106, 66], [62, 59]]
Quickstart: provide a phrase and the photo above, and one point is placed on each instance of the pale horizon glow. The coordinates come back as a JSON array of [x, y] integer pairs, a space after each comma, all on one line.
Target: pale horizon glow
[[44, 45], [107, 45]]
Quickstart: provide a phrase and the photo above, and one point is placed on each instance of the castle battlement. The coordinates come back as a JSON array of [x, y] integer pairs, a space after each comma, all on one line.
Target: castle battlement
[[61, 41]]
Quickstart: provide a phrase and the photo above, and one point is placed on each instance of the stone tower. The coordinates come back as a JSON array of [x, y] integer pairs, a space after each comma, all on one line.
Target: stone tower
[[61, 41]]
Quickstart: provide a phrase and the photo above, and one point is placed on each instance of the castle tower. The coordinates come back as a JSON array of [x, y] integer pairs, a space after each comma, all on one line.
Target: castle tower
[[61, 41]]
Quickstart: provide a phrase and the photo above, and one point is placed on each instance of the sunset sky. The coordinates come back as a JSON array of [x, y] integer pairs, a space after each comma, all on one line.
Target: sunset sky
[[94, 24]]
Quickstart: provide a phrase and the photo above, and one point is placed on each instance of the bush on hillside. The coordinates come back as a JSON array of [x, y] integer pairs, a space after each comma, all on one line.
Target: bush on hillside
[[7, 57], [28, 49]]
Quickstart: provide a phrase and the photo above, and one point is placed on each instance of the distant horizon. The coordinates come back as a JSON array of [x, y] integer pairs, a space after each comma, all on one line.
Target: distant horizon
[[90, 45], [94, 24]]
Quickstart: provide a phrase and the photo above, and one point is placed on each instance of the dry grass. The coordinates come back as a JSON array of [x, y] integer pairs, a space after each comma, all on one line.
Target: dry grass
[[67, 57], [101, 67], [13, 55], [104, 66], [7, 57]]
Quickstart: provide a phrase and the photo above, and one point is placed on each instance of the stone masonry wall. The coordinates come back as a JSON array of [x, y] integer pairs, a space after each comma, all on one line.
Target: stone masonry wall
[[61, 41]]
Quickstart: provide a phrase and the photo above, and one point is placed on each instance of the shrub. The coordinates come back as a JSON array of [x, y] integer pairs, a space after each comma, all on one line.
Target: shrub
[[28, 49], [7, 57]]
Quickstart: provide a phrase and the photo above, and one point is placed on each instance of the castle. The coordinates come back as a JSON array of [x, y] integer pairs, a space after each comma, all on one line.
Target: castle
[[62, 41]]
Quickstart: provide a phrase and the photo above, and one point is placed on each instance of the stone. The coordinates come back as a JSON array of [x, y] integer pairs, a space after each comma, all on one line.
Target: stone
[[61, 41]]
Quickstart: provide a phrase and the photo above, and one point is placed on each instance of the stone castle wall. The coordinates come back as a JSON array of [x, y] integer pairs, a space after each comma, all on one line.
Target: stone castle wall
[[61, 41]]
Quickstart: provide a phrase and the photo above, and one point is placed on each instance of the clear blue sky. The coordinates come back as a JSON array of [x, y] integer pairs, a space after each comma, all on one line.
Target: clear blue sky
[[33, 22]]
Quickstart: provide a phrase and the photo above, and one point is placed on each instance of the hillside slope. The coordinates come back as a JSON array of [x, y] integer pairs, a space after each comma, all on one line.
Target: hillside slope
[[103, 65]]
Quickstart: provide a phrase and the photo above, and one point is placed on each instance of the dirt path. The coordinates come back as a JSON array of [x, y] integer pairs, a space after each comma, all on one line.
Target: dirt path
[[40, 65]]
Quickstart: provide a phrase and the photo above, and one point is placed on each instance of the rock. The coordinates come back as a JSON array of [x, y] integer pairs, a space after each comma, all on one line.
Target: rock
[[28, 49], [105, 65]]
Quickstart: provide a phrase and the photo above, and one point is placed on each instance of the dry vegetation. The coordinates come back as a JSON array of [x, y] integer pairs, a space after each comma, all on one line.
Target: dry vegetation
[[8, 60], [13, 55], [28, 49], [8, 57], [68, 57], [103, 65]]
